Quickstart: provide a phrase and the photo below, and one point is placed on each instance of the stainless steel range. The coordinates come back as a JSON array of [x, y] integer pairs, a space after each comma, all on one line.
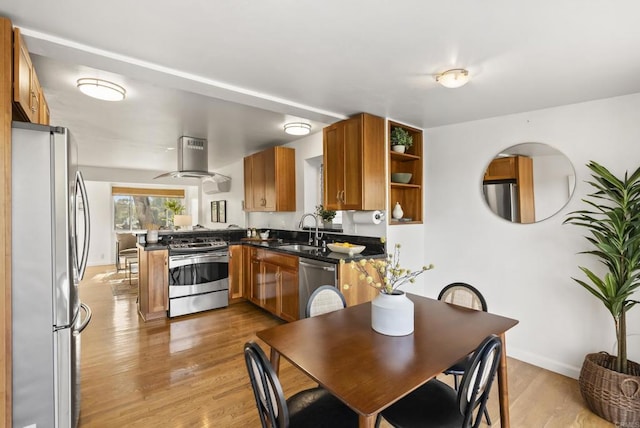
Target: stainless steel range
[[198, 275]]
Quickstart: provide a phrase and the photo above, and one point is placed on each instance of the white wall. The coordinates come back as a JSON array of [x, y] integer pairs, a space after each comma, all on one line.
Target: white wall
[[525, 271], [102, 245], [553, 181], [233, 198]]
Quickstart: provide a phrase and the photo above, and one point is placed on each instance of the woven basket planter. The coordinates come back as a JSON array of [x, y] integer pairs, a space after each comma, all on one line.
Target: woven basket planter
[[611, 395]]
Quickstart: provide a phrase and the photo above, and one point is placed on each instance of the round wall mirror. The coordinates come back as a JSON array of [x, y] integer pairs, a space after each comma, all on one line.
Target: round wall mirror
[[528, 182]]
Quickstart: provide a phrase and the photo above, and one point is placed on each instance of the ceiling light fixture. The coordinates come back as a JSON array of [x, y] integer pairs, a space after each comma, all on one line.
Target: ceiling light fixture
[[453, 78], [101, 89], [297, 128]]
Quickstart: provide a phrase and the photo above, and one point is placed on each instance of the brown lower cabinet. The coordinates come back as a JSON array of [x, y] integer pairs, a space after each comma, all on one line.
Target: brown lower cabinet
[[273, 282], [354, 290], [153, 283], [270, 280], [236, 270]]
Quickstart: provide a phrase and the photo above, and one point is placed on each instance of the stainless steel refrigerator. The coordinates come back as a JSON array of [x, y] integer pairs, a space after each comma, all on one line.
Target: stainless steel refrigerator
[[50, 244], [502, 199]]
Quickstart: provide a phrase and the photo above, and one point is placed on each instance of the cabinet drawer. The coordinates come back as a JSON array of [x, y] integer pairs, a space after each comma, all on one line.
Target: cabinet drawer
[[279, 259]]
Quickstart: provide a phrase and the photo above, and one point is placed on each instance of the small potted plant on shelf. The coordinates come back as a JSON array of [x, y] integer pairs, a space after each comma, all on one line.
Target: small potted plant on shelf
[[609, 384], [401, 140], [327, 216]]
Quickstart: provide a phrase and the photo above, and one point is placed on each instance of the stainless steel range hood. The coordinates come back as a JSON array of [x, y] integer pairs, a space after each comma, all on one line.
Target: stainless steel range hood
[[193, 160]]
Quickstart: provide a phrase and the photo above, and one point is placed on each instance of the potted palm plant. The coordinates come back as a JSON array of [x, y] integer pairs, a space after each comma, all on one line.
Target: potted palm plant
[[611, 384]]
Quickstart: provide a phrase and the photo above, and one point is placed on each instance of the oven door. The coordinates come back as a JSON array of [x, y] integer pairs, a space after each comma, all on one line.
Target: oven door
[[192, 274]]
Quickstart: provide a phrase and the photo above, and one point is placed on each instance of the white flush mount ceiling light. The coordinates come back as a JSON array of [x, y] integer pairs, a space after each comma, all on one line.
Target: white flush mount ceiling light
[[101, 89], [297, 128], [453, 78]]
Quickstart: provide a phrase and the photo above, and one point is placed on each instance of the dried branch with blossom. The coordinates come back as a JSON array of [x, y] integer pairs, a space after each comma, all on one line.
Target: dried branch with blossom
[[388, 273]]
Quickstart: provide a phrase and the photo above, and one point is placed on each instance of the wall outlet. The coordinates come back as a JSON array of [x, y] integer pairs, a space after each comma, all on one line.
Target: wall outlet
[[31, 426]]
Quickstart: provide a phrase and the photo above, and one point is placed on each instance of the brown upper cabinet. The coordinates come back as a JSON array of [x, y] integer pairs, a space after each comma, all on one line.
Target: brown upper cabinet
[[270, 180], [518, 169], [409, 195], [29, 102], [354, 157]]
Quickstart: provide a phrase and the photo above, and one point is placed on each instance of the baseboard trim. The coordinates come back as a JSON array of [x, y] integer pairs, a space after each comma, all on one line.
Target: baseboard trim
[[543, 362]]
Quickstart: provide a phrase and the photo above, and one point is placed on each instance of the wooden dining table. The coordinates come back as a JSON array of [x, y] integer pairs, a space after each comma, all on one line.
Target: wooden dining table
[[369, 371]]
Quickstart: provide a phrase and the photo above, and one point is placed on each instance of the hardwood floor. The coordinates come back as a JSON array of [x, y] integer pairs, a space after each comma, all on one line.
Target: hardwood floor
[[190, 372]]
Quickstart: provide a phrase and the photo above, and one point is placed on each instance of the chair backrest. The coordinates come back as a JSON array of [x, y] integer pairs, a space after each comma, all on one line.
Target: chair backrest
[[477, 380], [125, 241], [462, 294], [267, 390], [325, 298]]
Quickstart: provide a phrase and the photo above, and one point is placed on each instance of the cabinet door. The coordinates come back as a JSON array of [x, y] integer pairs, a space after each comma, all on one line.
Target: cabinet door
[[44, 109], [22, 77], [333, 152], [358, 291], [246, 269], [501, 169], [270, 278], [255, 293], [248, 183], [158, 281], [353, 153], [288, 284], [268, 158], [258, 181], [235, 272]]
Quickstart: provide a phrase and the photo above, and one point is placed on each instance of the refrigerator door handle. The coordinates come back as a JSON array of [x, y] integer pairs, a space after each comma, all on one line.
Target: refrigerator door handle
[[85, 323], [87, 226]]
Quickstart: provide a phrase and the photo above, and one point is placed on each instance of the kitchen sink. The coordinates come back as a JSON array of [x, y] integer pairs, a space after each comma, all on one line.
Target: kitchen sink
[[299, 247]]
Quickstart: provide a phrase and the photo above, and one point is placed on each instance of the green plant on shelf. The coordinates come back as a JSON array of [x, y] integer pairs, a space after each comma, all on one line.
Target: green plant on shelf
[[401, 137]]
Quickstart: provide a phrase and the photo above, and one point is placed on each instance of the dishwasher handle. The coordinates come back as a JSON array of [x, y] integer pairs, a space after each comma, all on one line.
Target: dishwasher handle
[[315, 266]]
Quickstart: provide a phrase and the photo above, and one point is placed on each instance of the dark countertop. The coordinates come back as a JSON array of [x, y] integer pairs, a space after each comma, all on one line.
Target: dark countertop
[[323, 256], [374, 248]]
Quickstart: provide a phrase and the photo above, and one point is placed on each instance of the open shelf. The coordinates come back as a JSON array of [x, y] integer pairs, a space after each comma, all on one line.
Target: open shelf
[[408, 195]]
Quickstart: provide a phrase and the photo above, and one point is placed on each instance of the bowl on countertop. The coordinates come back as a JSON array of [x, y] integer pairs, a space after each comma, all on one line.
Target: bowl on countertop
[[401, 177], [352, 249], [264, 235]]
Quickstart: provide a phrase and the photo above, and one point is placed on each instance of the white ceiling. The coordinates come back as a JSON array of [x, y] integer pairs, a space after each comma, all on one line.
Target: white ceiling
[[234, 71]]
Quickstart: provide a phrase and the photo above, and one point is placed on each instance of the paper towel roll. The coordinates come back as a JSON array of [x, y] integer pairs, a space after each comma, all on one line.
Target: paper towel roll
[[368, 217]]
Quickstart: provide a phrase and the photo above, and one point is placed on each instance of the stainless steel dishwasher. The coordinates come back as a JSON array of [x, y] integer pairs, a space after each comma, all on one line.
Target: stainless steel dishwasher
[[311, 275]]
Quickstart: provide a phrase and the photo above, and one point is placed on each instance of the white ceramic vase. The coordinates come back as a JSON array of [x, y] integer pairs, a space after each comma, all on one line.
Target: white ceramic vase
[[392, 314], [152, 236], [397, 212], [399, 148]]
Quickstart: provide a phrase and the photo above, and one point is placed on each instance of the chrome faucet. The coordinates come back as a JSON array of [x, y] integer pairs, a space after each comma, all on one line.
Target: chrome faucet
[[316, 237]]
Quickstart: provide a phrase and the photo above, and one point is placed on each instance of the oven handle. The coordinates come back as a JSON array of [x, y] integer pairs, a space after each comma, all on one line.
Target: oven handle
[[191, 259]]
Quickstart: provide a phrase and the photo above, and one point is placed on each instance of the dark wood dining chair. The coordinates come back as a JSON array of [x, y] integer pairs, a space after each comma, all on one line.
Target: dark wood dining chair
[[311, 408], [437, 405], [324, 299], [463, 294]]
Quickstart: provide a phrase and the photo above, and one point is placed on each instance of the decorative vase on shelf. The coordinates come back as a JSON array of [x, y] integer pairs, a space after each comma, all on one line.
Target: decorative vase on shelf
[[397, 212], [399, 148], [392, 314]]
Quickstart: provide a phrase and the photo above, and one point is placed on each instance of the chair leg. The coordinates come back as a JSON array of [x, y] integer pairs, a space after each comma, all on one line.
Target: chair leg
[[456, 382], [486, 416], [378, 419]]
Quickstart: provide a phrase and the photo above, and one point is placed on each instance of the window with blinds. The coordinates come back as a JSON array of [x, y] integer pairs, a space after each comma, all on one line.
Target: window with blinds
[[141, 208]]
